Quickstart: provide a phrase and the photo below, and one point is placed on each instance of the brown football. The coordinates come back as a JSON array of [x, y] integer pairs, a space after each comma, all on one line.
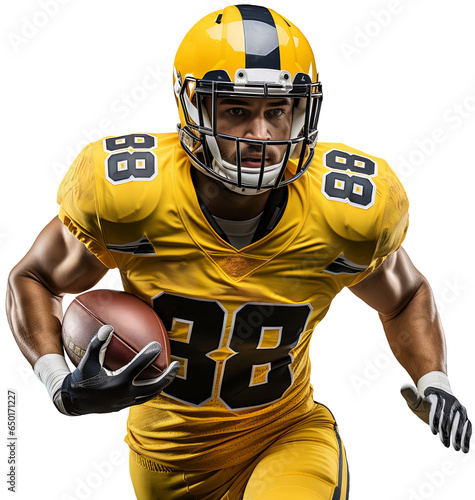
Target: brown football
[[135, 325]]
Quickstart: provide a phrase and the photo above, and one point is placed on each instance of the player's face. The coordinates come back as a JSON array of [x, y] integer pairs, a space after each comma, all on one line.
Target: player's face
[[253, 118]]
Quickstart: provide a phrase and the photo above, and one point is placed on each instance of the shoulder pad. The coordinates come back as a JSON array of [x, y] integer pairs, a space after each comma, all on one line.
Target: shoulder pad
[[356, 186], [131, 172]]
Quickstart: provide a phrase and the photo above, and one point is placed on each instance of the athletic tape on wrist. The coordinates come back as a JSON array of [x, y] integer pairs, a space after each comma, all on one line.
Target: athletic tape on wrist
[[51, 370], [436, 379]]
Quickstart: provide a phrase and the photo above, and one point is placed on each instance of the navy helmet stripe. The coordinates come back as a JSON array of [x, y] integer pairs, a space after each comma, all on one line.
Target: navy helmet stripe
[[260, 37]]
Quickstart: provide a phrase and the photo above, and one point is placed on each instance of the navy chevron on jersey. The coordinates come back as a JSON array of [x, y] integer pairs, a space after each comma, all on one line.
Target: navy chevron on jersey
[[239, 321]]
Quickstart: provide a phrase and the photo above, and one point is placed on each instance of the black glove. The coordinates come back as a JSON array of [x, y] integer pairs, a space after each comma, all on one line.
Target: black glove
[[92, 389], [448, 417], [444, 414]]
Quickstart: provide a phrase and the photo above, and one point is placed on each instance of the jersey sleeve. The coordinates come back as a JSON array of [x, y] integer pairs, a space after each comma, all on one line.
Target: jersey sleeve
[[394, 223], [79, 211]]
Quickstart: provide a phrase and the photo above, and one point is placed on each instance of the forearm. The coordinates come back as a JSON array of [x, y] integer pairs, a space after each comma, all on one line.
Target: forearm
[[56, 264], [406, 307], [34, 314], [416, 336]]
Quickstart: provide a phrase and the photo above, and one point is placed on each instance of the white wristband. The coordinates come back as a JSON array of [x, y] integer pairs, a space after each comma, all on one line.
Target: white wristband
[[51, 369], [438, 380]]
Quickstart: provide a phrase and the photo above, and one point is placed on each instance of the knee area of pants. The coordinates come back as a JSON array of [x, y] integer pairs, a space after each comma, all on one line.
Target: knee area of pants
[[316, 490]]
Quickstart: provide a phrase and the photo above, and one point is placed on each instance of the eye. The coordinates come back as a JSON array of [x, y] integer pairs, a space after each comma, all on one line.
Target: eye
[[277, 112], [235, 111]]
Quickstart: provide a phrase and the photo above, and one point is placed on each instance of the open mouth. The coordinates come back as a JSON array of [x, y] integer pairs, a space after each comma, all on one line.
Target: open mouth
[[253, 162]]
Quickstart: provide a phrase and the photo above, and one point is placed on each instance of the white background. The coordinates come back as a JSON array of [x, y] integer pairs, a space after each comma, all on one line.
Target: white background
[[394, 73]]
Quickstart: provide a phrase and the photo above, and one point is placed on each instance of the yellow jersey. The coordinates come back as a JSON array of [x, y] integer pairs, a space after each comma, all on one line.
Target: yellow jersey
[[239, 321]]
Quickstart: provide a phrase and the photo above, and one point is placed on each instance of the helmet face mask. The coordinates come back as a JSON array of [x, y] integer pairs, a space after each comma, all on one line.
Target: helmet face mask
[[205, 143]]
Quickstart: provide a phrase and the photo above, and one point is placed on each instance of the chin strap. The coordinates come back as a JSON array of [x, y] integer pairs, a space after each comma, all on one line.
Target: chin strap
[[249, 176]]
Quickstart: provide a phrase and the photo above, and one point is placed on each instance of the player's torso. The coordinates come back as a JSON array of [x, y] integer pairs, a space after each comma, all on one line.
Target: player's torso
[[238, 321]]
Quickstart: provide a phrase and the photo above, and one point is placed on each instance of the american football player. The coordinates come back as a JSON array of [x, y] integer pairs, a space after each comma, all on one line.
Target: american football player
[[239, 230]]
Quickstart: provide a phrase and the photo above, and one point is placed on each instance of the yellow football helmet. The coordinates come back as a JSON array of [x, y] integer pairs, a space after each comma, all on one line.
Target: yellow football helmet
[[246, 51]]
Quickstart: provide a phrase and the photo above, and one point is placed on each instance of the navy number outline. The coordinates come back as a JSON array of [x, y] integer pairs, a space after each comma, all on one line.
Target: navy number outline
[[357, 189], [130, 158]]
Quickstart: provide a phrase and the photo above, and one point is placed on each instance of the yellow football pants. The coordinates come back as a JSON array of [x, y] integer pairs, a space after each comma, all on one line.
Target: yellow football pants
[[307, 462]]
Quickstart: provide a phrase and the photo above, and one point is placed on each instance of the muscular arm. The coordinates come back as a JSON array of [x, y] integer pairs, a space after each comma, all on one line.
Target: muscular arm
[[56, 264], [404, 300]]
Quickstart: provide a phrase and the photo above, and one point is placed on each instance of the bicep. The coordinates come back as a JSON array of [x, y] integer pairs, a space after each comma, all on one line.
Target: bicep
[[60, 262], [391, 286]]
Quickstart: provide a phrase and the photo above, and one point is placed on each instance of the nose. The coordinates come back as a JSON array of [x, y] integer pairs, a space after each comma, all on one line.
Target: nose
[[257, 128]]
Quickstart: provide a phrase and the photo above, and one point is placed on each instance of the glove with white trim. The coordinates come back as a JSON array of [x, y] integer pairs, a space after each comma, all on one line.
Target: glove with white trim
[[434, 403], [90, 388]]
